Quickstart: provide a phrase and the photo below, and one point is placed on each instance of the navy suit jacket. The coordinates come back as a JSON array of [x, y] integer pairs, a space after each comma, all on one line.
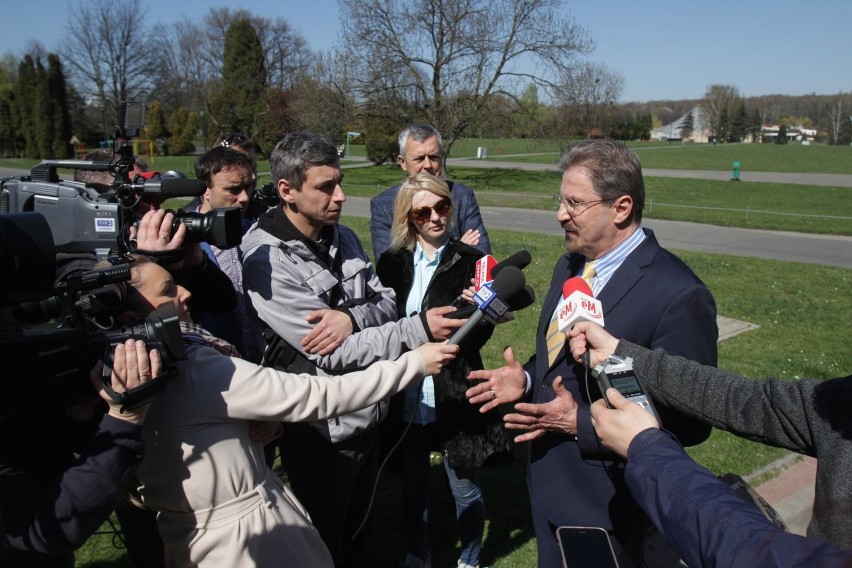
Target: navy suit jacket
[[465, 209], [655, 300]]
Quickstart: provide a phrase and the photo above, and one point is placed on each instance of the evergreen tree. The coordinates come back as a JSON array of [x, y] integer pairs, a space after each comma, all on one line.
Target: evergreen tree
[[183, 125], [25, 95], [739, 123], [238, 105], [58, 96], [155, 127], [782, 134], [755, 126], [44, 113], [381, 135], [7, 131], [687, 125]]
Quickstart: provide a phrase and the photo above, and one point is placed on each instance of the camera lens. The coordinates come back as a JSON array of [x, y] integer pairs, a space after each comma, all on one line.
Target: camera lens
[[221, 228]]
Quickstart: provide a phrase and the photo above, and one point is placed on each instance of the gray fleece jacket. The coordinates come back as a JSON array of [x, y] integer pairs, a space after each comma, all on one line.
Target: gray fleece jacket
[[808, 416], [285, 281]]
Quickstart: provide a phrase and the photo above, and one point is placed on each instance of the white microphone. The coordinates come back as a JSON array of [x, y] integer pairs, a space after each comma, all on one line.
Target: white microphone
[[578, 304]]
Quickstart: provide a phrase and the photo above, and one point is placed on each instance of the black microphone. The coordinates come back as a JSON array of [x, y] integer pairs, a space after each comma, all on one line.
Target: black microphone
[[491, 300], [520, 259], [168, 187], [522, 299]]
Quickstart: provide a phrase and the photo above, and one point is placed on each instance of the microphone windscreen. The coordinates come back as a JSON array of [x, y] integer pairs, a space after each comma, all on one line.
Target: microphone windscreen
[[520, 259], [509, 282], [576, 284], [178, 187], [523, 298]]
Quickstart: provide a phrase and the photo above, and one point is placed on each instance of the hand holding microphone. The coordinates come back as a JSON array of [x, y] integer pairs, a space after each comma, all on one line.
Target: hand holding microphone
[[491, 300], [587, 339]]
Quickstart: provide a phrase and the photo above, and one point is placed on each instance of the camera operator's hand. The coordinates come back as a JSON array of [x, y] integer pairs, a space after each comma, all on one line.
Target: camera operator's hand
[[155, 235], [617, 426], [133, 365], [155, 232]]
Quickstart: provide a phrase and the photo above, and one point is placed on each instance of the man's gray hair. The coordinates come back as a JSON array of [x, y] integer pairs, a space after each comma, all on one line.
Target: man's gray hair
[[614, 169], [298, 151], [419, 132]]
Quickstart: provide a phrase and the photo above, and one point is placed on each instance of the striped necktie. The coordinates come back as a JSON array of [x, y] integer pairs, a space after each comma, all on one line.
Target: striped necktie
[[554, 338]]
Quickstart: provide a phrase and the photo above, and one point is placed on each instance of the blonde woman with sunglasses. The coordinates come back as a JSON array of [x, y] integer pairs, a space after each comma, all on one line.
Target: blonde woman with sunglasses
[[427, 268]]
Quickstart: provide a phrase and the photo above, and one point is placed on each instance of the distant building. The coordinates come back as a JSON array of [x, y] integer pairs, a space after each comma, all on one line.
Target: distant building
[[672, 131], [769, 132]]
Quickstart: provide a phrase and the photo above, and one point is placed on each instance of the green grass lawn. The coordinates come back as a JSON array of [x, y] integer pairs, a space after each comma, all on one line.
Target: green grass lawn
[[804, 332], [816, 158]]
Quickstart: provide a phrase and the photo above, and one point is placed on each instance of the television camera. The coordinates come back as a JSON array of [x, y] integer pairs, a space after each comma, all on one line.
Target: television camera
[[85, 221], [48, 364]]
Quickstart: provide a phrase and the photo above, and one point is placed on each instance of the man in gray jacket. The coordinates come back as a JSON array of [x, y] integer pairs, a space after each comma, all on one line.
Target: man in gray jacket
[[324, 311]]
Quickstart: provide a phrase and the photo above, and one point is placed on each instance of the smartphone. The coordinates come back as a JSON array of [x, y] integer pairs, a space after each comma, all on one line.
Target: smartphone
[[585, 547]]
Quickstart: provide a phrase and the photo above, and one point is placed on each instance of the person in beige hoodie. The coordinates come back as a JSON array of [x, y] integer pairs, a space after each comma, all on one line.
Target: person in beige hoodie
[[217, 502]]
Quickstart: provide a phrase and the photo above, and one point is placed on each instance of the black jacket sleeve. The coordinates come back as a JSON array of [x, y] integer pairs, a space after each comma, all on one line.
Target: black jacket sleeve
[[60, 516]]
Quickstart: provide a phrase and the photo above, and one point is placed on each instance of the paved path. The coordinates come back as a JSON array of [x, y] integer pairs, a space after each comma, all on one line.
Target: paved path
[[776, 245]]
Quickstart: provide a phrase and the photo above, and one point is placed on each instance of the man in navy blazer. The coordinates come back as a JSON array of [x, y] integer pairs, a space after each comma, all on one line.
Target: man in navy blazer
[[420, 151], [649, 297]]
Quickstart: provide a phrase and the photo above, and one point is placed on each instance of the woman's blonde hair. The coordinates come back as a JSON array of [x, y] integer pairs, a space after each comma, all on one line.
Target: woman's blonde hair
[[403, 230]]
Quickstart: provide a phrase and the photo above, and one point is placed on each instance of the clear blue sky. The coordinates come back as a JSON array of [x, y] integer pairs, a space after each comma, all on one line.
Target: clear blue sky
[[665, 49]]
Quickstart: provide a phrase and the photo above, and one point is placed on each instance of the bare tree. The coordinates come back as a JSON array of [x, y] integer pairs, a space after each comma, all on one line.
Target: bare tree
[[719, 108], [589, 91], [449, 57], [321, 101], [836, 117], [109, 53]]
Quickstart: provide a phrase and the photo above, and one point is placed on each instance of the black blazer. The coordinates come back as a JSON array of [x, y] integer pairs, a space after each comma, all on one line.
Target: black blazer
[[467, 437]]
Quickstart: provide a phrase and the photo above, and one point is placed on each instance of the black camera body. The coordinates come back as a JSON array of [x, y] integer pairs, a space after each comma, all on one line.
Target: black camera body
[[52, 337]]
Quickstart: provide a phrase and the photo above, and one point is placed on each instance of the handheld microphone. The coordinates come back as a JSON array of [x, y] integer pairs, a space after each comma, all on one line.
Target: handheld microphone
[[522, 299], [520, 259], [484, 268], [578, 304], [490, 300]]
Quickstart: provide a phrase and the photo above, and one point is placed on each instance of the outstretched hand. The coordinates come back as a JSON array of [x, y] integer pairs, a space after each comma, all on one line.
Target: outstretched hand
[[503, 385], [558, 415]]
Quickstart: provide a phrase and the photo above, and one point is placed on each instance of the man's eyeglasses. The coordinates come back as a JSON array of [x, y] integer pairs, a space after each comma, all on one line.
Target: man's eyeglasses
[[575, 207], [423, 214]]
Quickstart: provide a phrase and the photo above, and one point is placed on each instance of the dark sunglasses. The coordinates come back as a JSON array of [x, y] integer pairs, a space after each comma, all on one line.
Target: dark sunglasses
[[423, 214], [234, 139]]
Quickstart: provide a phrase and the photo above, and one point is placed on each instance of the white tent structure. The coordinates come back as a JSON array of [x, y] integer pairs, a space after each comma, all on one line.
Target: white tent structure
[[672, 131]]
